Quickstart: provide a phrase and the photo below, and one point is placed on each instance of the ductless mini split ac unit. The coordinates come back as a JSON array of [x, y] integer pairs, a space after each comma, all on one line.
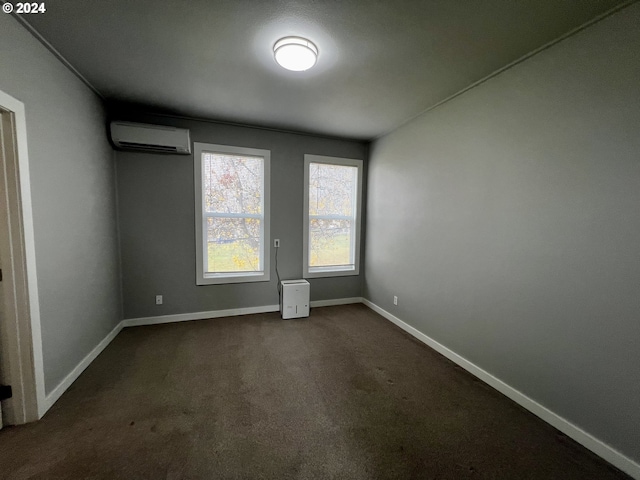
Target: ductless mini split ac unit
[[150, 138]]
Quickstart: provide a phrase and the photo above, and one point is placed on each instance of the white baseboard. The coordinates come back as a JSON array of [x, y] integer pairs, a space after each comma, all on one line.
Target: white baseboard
[[335, 301], [587, 440], [185, 317], [62, 387]]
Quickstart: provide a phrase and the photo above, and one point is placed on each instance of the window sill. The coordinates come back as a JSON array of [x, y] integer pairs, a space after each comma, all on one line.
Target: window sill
[[319, 272], [221, 279]]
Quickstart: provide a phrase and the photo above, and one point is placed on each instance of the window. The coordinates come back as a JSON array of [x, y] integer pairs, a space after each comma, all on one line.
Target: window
[[232, 214], [332, 197]]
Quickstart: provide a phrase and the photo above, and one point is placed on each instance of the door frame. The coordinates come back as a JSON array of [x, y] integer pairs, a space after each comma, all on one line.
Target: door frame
[[20, 283]]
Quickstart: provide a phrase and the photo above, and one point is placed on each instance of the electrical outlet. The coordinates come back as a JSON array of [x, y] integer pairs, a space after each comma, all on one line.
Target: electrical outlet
[[395, 300], [158, 299], [276, 243]]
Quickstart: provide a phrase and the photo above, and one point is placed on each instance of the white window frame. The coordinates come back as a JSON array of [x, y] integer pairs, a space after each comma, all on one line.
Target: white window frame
[[202, 277], [334, 271]]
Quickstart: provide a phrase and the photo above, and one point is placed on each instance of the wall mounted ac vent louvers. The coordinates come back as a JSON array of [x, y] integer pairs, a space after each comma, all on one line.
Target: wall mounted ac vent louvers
[[142, 137]]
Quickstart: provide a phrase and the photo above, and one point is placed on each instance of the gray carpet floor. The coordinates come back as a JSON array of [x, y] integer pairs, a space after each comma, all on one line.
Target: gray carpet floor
[[342, 394]]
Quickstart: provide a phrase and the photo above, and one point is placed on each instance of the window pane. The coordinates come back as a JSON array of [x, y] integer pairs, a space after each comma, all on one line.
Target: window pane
[[330, 242], [332, 189], [233, 245], [232, 183]]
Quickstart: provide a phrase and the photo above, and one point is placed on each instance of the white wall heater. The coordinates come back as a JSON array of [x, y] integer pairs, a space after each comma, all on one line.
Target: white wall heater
[[294, 298]]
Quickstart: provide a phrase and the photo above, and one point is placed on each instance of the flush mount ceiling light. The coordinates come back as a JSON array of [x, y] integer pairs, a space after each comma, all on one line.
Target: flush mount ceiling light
[[295, 53]]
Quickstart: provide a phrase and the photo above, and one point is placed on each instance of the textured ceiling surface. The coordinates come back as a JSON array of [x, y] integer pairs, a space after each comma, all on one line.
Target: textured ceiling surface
[[380, 62]]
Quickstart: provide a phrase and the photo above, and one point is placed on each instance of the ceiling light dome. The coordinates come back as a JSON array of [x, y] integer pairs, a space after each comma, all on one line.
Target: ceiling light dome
[[295, 53]]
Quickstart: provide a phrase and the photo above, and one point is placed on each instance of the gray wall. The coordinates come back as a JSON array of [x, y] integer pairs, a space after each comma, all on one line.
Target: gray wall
[[157, 232], [507, 221], [72, 187]]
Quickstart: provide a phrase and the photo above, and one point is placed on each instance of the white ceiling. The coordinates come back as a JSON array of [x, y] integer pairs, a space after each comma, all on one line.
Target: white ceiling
[[380, 62]]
